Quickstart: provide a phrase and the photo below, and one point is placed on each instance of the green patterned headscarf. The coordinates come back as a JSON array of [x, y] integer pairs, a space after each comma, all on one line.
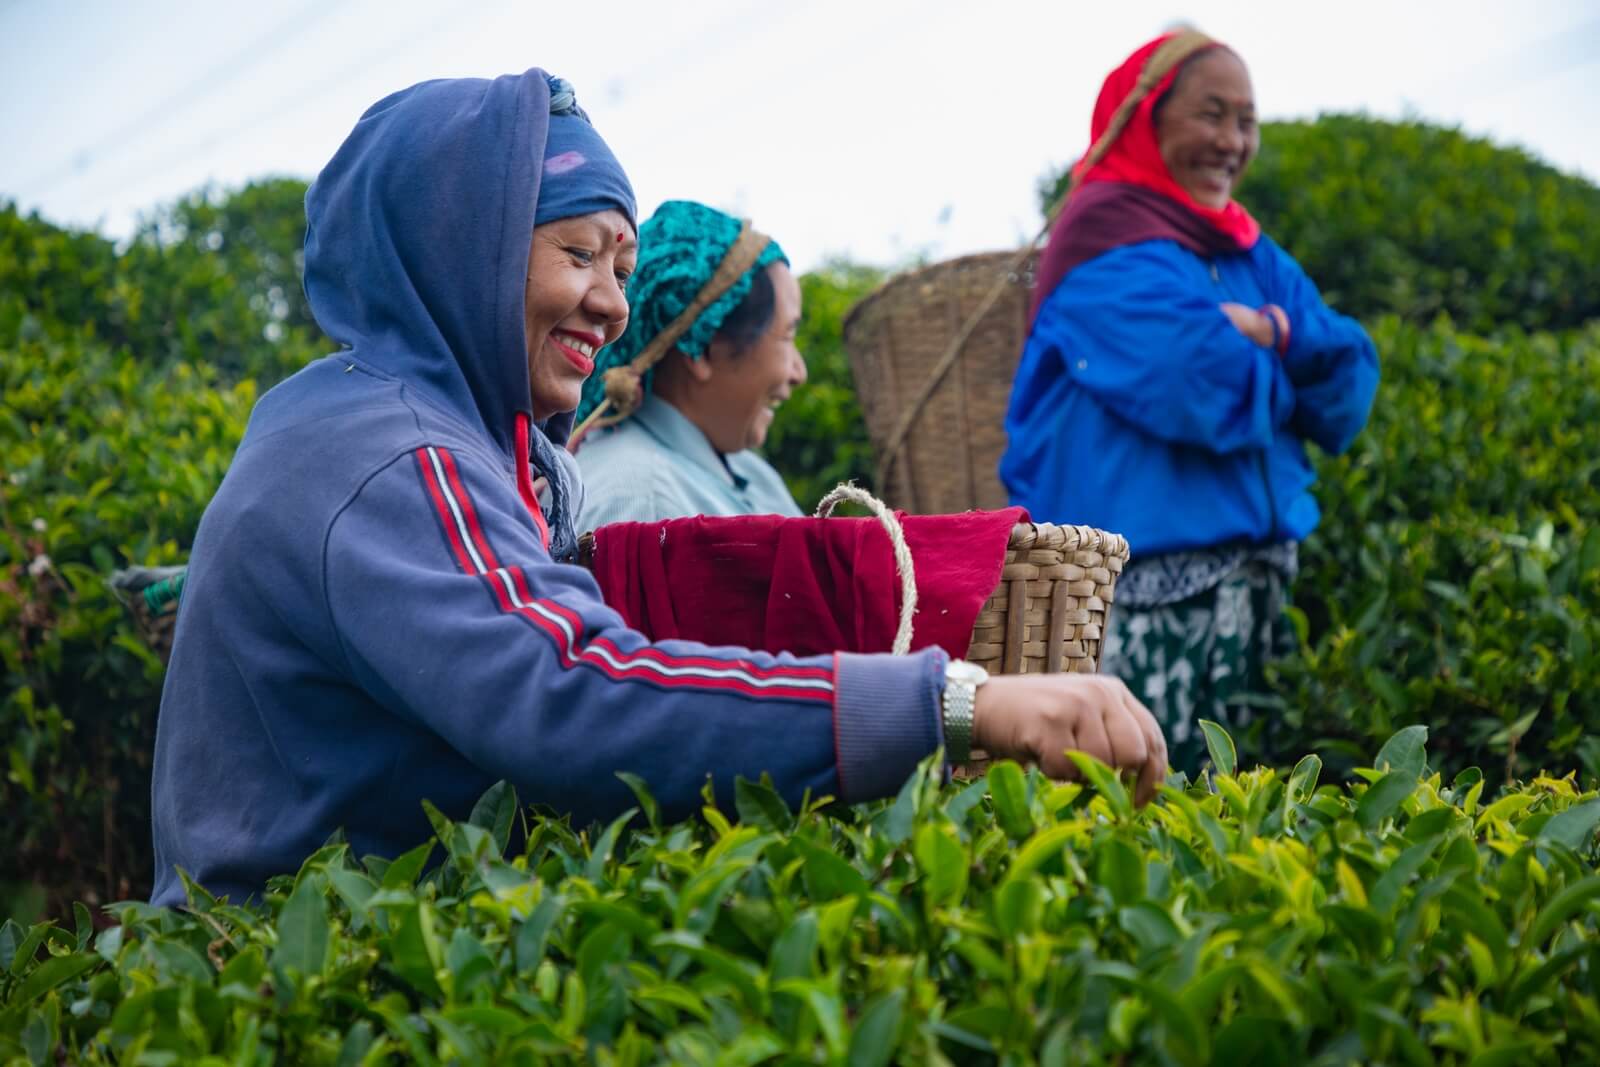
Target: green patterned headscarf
[[680, 247]]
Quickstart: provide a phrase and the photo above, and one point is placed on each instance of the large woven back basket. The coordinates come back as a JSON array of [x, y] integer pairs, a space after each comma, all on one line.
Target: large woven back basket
[[1048, 613], [896, 338]]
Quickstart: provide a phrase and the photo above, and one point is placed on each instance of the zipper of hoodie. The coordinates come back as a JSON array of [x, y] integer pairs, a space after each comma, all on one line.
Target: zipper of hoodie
[[530, 499], [1262, 457]]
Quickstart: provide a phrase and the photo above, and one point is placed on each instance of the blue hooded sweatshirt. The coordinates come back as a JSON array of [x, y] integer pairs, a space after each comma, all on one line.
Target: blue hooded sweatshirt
[[1138, 407], [372, 618]]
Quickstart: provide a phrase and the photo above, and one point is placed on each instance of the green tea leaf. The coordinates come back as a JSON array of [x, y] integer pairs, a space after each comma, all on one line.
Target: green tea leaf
[[1105, 782], [53, 972], [827, 875], [354, 888], [1121, 870], [533, 933], [898, 821], [11, 936], [415, 952], [595, 868], [943, 862], [303, 930], [357, 1043], [1219, 745], [1010, 791], [1574, 827], [760, 805], [1149, 926], [1386, 891], [1041, 848], [1384, 797], [794, 953], [646, 799], [244, 970], [495, 811], [1562, 907], [403, 872], [1405, 752], [1192, 1043], [876, 1033], [1303, 779], [83, 925], [1018, 907]]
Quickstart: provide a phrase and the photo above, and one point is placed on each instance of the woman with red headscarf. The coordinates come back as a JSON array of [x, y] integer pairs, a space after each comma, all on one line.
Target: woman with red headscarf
[[1177, 363]]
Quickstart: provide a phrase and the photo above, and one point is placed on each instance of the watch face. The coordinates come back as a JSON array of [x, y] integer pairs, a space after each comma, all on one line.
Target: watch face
[[962, 671]]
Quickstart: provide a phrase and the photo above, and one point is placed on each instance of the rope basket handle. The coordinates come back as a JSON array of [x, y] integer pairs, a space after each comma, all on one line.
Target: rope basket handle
[[1164, 59], [902, 553]]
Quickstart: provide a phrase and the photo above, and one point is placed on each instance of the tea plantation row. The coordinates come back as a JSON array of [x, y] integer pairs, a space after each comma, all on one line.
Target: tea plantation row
[[1250, 918]]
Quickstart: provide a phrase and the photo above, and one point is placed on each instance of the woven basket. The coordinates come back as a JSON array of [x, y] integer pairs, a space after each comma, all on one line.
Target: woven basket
[[1049, 611], [896, 338]]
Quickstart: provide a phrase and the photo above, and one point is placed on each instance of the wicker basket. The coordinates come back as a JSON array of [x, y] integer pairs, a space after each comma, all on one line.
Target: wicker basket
[[896, 339], [1049, 611]]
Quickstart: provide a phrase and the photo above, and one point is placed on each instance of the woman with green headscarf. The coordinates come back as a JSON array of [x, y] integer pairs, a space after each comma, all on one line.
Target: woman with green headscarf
[[672, 415]]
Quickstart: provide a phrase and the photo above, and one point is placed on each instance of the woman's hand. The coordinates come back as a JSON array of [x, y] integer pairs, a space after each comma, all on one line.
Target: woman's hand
[[1250, 322], [1036, 718]]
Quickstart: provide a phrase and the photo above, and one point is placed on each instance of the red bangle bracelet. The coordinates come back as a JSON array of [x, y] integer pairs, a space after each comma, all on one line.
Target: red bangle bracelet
[[1280, 327]]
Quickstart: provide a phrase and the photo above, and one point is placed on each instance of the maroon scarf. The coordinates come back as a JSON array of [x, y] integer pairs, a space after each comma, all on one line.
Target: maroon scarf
[[1102, 215]]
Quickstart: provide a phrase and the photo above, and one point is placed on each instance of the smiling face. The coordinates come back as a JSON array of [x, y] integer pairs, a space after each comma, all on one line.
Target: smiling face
[[744, 387], [574, 303], [1206, 127]]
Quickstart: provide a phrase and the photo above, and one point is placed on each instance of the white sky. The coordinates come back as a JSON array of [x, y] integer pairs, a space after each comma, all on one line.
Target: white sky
[[876, 129]]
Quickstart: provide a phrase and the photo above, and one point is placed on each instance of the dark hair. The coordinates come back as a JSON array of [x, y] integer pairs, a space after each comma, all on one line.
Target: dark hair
[[746, 324]]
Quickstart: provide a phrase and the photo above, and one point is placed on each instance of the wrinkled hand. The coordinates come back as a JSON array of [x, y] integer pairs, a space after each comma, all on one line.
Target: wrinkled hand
[[1250, 322], [1036, 718]]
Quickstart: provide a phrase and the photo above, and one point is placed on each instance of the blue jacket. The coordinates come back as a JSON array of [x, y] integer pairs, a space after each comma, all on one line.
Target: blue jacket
[[1139, 408], [371, 617]]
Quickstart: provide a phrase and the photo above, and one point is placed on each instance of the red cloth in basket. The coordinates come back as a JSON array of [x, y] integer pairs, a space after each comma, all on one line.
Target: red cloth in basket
[[807, 585]]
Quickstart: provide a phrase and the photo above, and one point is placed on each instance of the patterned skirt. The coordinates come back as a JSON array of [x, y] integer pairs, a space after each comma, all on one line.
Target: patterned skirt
[[1203, 656]]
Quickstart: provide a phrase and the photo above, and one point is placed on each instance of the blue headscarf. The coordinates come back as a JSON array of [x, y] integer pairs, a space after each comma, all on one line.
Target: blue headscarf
[[580, 175], [680, 247]]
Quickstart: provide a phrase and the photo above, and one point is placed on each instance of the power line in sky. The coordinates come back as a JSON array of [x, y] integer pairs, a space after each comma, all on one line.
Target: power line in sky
[[135, 177], [164, 110]]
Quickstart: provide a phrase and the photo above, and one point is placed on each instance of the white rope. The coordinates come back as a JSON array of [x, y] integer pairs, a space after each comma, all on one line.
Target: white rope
[[902, 554]]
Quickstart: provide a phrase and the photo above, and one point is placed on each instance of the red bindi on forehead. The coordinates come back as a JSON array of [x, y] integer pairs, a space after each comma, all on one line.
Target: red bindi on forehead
[[619, 238]]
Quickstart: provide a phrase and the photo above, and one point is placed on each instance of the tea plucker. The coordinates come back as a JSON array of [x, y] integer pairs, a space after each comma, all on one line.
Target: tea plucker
[[380, 609], [1177, 365], [672, 418]]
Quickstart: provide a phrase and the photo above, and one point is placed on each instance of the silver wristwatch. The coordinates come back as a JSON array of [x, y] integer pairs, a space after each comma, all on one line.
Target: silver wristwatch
[[961, 681]]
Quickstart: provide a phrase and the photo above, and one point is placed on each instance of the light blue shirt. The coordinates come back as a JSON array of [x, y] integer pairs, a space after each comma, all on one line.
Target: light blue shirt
[[658, 465]]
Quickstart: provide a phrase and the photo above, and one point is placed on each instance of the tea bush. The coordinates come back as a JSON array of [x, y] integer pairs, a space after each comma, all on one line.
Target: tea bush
[[1455, 579], [1417, 220], [108, 462], [209, 279], [1253, 918]]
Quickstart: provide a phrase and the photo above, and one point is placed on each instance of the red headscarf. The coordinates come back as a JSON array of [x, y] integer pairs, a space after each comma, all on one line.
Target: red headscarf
[[1123, 211], [1135, 155]]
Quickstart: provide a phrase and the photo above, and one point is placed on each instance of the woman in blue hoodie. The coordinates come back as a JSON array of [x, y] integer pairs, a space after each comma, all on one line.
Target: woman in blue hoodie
[[1177, 365], [379, 608]]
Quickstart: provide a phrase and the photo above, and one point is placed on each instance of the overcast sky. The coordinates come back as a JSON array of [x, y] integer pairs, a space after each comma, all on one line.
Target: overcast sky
[[874, 129]]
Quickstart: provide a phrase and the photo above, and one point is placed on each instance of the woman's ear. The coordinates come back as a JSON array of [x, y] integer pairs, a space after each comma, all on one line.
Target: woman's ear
[[699, 369]]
